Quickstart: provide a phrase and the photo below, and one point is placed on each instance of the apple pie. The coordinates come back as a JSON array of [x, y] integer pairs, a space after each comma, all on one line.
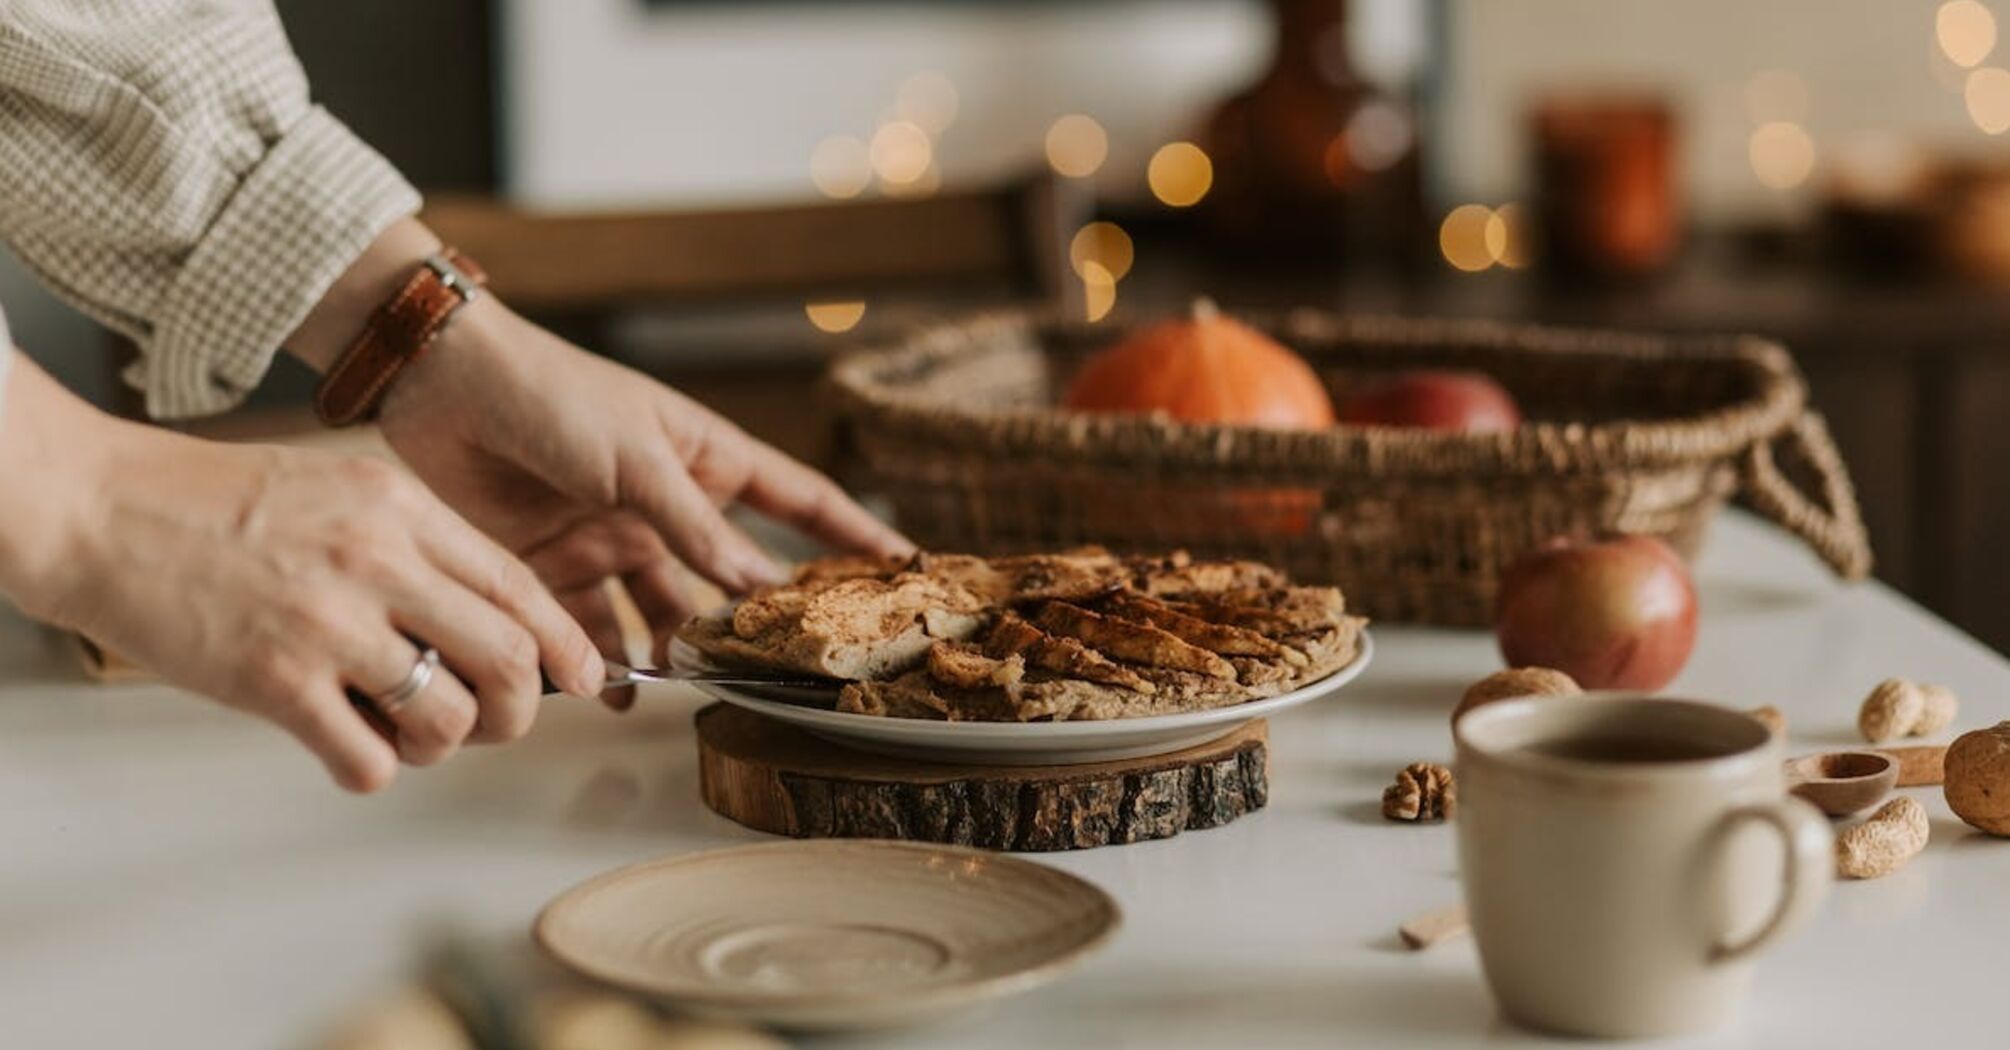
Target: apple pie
[[1079, 635]]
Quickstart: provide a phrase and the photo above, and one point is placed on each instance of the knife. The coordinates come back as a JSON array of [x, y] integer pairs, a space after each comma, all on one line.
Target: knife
[[806, 688], [619, 675]]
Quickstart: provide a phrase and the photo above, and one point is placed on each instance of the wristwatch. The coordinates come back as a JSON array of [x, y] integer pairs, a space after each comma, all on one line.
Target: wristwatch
[[398, 332]]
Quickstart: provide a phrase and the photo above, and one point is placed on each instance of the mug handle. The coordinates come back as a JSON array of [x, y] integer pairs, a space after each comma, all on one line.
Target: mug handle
[[1805, 878]]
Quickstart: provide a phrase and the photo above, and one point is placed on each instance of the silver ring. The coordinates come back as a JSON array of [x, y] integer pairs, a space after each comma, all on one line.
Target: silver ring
[[415, 683]]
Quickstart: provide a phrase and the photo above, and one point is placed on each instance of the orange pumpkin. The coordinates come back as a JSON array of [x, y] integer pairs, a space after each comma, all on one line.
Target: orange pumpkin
[[1205, 368]]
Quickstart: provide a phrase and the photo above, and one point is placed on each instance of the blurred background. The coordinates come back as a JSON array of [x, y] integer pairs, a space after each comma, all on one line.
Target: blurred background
[[725, 194]]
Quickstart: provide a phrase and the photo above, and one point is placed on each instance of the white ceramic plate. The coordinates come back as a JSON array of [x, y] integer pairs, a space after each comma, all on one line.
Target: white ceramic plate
[[1030, 743], [829, 934]]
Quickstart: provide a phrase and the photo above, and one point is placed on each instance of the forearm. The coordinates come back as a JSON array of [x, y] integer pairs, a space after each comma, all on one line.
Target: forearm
[[478, 337], [7, 356], [52, 446], [280, 581], [369, 281]]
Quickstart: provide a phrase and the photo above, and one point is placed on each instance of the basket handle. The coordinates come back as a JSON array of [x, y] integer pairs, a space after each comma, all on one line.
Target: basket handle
[[1831, 523]]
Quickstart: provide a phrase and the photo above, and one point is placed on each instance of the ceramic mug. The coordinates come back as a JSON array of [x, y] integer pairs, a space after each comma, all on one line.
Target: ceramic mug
[[1625, 858]]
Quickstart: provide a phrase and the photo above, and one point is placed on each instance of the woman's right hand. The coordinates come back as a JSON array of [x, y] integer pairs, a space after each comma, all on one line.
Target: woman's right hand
[[275, 579]]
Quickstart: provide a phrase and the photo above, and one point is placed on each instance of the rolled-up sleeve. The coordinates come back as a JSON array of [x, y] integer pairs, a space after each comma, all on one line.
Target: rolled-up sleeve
[[162, 167]]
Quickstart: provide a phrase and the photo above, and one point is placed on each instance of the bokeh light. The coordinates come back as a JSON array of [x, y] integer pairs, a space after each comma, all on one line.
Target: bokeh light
[[901, 152], [1104, 245], [926, 185], [1966, 31], [1462, 237], [1877, 166], [1180, 174], [835, 317], [1099, 288], [1776, 95], [1077, 146], [1950, 77], [841, 167], [1378, 135], [927, 100], [1507, 236], [1988, 98], [1782, 154]]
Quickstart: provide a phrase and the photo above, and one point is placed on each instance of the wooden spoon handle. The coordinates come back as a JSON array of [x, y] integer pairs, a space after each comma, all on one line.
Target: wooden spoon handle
[[1918, 766]]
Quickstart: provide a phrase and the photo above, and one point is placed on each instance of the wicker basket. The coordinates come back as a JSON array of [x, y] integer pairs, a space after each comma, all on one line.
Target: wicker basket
[[1630, 433]]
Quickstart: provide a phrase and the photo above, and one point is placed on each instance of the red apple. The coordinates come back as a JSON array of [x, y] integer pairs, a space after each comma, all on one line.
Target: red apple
[[1613, 614], [1436, 400]]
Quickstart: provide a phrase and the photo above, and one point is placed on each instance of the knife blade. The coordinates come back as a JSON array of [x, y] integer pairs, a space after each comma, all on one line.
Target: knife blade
[[619, 675]]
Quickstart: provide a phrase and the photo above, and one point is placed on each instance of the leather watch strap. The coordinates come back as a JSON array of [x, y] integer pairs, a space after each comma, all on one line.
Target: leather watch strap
[[398, 332]]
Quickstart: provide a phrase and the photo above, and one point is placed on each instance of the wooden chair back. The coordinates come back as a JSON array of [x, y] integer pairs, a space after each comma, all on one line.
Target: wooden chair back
[[1015, 237]]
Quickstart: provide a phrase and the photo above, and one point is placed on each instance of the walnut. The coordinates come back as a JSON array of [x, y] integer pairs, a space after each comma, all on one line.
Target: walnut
[[1893, 707], [1514, 682], [1978, 778], [1422, 791], [1941, 707], [1899, 708], [1882, 844]]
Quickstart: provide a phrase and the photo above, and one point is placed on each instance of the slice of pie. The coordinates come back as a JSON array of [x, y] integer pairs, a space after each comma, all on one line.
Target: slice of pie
[[856, 627]]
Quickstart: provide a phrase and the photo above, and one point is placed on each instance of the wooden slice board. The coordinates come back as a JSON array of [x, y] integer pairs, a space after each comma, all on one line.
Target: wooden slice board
[[779, 779]]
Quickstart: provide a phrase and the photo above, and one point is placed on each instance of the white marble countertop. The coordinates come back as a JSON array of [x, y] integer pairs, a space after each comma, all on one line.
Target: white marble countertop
[[176, 875]]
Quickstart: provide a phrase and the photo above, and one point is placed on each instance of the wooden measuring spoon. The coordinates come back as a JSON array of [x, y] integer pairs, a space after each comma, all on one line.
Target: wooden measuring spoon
[[1920, 765], [1842, 782]]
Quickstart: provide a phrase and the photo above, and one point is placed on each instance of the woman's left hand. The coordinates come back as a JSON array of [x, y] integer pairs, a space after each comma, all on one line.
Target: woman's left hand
[[590, 470]]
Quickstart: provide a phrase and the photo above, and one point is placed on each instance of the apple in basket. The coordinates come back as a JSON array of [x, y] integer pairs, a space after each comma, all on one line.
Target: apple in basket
[[1201, 368], [1469, 402], [1613, 614]]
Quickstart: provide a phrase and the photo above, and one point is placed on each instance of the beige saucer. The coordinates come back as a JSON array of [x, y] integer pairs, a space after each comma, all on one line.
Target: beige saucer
[[828, 935]]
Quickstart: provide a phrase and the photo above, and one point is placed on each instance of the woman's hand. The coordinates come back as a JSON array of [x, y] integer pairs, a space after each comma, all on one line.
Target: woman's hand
[[590, 470], [586, 469], [274, 579]]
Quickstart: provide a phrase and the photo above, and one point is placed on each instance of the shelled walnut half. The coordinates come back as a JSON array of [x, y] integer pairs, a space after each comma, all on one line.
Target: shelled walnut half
[[1422, 791]]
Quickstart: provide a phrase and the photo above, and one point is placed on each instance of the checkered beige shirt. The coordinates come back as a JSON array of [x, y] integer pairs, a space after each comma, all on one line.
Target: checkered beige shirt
[[162, 168]]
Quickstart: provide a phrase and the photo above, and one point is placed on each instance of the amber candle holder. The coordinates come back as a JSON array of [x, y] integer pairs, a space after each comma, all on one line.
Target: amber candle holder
[[1606, 199]]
